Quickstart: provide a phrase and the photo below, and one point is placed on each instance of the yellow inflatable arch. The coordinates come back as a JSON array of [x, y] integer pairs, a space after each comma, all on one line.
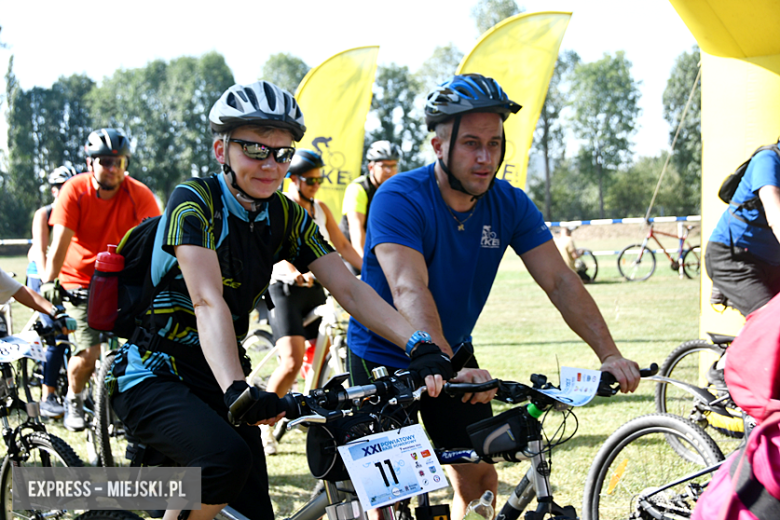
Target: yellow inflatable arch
[[740, 104]]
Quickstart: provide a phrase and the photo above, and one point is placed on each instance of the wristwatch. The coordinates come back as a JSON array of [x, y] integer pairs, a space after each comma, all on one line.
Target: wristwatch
[[416, 338]]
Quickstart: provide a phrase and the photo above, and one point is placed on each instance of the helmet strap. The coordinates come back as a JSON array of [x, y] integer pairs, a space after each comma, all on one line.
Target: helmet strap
[[241, 196]]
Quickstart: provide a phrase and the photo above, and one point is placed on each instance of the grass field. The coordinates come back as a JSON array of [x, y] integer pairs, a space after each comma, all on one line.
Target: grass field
[[521, 333]]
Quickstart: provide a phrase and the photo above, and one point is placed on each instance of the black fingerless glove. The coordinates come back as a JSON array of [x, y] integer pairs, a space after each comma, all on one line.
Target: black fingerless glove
[[256, 406], [429, 360]]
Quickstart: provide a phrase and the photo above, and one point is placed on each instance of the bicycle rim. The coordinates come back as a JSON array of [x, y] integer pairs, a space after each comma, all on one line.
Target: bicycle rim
[[43, 450], [637, 460], [691, 261], [636, 263]]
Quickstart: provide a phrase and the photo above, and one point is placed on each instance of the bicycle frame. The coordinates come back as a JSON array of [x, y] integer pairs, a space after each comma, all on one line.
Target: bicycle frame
[[683, 241]]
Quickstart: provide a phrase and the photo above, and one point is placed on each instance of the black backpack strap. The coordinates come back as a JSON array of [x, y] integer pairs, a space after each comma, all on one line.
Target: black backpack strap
[[755, 202]]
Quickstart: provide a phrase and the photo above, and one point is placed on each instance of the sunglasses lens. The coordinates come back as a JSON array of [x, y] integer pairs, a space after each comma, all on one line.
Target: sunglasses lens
[[311, 181], [284, 155], [255, 151], [109, 162]]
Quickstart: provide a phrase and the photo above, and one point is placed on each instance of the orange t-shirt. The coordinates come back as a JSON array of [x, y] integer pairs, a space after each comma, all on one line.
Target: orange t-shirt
[[97, 222]]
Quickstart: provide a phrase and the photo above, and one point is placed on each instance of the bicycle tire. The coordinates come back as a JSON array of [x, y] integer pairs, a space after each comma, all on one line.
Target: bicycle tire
[[41, 450], [108, 515], [109, 433], [637, 458], [683, 365], [587, 257], [691, 262], [258, 340], [634, 265]]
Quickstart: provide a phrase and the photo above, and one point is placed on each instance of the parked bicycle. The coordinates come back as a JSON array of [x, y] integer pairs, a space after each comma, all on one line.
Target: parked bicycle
[[637, 263], [701, 395], [335, 418]]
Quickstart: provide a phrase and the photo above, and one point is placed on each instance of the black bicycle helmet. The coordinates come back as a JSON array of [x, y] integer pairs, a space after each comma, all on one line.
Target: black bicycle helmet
[[107, 141], [467, 93], [304, 161], [61, 174], [383, 151], [260, 103]]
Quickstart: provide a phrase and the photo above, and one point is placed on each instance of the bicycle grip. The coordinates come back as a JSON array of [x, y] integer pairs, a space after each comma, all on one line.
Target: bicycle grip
[[240, 406], [608, 384]]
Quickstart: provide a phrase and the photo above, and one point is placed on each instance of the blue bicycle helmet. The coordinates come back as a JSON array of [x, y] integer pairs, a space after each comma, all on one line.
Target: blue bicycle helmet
[[466, 93], [304, 161]]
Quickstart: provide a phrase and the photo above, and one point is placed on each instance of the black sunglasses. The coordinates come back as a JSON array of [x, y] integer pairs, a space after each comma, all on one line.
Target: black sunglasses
[[311, 181], [259, 151]]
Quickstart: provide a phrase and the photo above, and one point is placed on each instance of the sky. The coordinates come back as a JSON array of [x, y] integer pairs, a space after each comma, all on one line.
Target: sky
[[49, 39]]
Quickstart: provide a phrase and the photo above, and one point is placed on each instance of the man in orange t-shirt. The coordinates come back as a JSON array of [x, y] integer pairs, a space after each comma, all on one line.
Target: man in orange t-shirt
[[94, 209]]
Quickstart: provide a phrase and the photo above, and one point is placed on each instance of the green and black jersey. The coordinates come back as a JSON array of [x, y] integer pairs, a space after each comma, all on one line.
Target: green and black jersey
[[247, 246]]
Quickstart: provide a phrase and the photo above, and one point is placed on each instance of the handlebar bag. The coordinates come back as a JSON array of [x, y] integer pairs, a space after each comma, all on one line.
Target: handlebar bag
[[507, 432]]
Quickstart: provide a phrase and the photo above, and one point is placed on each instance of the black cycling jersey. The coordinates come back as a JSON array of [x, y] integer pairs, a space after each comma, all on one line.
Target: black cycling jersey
[[247, 246]]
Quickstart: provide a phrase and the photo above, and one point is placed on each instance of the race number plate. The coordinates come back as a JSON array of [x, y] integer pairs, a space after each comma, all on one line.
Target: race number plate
[[390, 466], [17, 347]]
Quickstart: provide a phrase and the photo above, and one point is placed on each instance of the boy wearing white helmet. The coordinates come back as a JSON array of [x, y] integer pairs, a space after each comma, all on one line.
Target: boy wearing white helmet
[[174, 381]]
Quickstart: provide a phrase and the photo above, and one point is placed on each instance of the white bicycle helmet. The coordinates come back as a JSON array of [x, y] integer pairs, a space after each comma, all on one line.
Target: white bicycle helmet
[[383, 151], [61, 174], [260, 103]]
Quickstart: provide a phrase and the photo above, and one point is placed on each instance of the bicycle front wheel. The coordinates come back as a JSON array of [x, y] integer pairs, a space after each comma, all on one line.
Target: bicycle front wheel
[[636, 460], [589, 263], [37, 449], [636, 263], [109, 432], [691, 262]]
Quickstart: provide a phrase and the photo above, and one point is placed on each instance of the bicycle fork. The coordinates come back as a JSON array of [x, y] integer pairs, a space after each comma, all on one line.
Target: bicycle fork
[[536, 482]]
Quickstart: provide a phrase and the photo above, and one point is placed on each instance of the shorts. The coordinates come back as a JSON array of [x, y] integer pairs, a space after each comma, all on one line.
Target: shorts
[[190, 427], [291, 305], [445, 417], [747, 282], [85, 336]]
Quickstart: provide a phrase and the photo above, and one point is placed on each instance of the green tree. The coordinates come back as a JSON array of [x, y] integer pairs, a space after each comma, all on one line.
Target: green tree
[[632, 189], [572, 195], [488, 13], [393, 104], [285, 70], [605, 103], [163, 108], [549, 139], [439, 67], [687, 152]]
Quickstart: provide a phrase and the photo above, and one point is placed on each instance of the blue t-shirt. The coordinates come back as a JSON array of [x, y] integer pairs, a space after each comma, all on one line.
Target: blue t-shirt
[[763, 170], [409, 210]]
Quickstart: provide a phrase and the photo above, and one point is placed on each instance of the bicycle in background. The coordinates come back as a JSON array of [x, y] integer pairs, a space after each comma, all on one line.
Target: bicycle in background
[[637, 263]]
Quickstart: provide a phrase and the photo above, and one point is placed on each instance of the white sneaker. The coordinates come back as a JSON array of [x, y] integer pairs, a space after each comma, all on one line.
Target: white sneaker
[[270, 446], [74, 414]]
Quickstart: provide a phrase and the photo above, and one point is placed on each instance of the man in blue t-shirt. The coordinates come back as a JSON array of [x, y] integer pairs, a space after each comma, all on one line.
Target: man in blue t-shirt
[[436, 237], [743, 253]]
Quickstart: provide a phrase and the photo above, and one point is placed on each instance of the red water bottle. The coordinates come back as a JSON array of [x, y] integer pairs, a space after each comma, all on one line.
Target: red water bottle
[[104, 290]]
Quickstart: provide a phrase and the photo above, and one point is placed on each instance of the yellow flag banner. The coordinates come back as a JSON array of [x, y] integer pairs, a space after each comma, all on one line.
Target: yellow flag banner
[[520, 53], [335, 98]]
